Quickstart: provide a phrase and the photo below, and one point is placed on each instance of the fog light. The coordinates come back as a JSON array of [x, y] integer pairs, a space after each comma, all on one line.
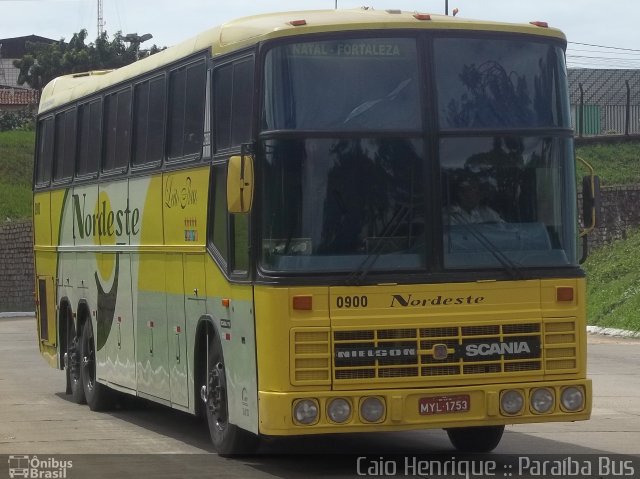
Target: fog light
[[572, 399], [372, 409], [339, 410], [305, 411], [511, 402], [542, 400]]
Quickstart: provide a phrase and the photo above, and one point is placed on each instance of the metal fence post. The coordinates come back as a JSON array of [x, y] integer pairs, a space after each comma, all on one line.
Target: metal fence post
[[628, 115], [581, 114]]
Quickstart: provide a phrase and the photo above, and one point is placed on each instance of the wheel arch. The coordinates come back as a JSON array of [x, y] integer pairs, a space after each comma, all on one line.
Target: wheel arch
[[83, 315], [206, 327], [65, 313]]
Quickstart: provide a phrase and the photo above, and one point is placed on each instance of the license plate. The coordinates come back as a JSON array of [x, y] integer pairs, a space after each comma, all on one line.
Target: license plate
[[444, 404]]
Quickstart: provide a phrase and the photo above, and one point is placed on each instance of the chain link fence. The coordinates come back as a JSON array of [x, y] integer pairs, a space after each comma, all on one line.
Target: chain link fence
[[605, 102]]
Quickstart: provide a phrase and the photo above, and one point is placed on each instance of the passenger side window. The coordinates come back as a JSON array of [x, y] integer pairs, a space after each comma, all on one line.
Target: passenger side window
[[117, 131], [186, 110], [149, 114], [219, 234], [45, 151], [89, 138], [233, 103], [65, 145]]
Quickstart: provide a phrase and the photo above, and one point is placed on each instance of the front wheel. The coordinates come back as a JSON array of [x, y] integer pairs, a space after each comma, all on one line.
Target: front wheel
[[476, 439], [228, 439], [99, 397]]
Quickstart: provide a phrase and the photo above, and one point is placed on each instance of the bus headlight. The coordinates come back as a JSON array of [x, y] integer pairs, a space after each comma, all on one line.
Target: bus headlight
[[511, 402], [339, 410], [572, 398], [305, 411], [542, 400], [372, 409]]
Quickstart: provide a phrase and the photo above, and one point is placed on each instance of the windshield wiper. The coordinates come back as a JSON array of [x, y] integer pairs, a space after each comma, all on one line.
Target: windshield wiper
[[360, 273], [509, 266]]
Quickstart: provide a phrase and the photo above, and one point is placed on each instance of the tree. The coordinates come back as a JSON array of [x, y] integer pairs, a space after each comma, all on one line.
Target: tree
[[44, 62]]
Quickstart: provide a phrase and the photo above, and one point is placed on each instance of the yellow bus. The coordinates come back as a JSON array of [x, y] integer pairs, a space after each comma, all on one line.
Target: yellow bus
[[319, 222]]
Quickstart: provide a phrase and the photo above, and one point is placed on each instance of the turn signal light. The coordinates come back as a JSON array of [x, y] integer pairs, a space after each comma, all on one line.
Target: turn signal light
[[564, 293], [303, 303]]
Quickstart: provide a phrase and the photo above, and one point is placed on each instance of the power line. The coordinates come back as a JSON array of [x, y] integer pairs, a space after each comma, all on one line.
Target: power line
[[604, 46]]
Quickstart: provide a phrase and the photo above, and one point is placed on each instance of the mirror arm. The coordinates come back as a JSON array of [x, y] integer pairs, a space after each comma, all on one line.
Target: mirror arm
[[590, 228]]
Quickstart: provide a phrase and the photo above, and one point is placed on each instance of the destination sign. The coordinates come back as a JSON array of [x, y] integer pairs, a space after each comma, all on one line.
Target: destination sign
[[347, 49]]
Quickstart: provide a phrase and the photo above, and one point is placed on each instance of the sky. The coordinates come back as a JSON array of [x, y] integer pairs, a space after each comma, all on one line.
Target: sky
[[596, 23]]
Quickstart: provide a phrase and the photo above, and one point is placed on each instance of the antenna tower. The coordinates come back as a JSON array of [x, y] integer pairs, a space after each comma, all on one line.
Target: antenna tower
[[100, 19]]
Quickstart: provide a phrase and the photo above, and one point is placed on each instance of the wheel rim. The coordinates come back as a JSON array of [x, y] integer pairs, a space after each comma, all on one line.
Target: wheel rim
[[89, 359], [74, 361], [73, 352], [217, 396]]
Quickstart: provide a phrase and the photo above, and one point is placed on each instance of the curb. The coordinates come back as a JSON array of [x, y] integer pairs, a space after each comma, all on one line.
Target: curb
[[17, 315], [620, 333]]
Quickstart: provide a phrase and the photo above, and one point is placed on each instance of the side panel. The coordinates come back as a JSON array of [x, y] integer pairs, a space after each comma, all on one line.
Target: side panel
[[44, 285], [177, 330], [195, 307], [237, 328], [116, 221], [184, 215], [151, 322]]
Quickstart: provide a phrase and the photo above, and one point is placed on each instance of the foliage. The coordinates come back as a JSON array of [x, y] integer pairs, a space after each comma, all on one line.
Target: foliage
[[17, 120], [44, 62], [613, 284], [615, 164], [16, 169]]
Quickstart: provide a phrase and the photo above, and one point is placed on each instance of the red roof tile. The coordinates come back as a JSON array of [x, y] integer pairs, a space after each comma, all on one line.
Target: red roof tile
[[16, 96]]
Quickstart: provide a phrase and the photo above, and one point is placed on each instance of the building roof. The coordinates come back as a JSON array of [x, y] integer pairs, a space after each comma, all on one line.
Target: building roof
[[248, 31], [604, 86], [16, 47], [18, 97]]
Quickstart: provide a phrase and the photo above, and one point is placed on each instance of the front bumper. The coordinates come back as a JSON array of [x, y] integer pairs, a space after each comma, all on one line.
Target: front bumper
[[402, 409]]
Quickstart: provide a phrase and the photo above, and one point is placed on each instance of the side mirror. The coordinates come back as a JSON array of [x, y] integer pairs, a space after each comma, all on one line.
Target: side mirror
[[591, 213], [590, 203], [240, 184]]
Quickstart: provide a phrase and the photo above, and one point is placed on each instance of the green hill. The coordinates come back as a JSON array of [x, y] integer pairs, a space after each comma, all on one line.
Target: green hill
[[16, 169], [613, 284]]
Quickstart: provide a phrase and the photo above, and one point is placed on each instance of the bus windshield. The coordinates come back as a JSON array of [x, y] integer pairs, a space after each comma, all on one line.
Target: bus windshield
[[348, 177]]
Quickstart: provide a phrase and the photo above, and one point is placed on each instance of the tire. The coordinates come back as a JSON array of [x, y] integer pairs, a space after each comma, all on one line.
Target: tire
[[228, 439], [476, 439], [72, 364], [99, 397]]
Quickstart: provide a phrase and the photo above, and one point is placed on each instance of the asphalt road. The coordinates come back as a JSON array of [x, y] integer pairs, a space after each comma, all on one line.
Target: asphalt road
[[37, 418]]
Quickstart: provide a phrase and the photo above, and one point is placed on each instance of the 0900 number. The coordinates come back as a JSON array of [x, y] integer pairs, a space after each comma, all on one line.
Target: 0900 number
[[352, 301]]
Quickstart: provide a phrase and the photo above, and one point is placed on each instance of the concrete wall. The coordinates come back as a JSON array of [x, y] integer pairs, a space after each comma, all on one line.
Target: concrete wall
[[620, 213], [16, 266]]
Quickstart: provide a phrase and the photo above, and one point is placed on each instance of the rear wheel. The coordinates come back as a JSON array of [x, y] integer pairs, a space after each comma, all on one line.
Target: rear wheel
[[72, 364], [228, 439], [476, 439], [99, 397]]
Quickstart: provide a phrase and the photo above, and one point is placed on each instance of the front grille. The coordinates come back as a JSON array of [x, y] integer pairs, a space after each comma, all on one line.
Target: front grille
[[409, 352]]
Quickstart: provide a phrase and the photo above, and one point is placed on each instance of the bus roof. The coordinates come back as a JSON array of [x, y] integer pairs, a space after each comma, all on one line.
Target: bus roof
[[244, 32]]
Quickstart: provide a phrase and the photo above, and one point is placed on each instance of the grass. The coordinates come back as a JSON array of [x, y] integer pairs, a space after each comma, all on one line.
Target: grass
[[613, 284], [615, 164], [16, 169]]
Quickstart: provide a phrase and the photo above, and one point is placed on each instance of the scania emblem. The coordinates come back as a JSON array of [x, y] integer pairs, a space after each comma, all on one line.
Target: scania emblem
[[440, 351]]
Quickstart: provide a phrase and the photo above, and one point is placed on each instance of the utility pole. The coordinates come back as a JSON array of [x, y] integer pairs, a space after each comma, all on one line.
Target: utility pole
[[446, 7], [100, 19]]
